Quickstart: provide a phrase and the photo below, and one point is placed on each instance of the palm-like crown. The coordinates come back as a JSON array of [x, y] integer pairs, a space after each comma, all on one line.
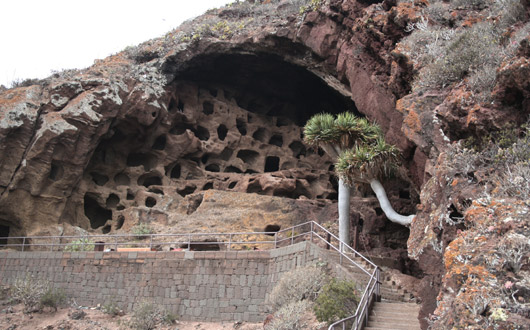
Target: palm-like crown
[[361, 151]]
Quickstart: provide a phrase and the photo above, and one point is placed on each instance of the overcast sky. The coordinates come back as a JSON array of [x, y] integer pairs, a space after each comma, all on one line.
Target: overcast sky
[[37, 36]]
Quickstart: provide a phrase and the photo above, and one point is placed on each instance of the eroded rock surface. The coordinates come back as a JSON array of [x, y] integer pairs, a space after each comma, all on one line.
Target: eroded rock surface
[[205, 123]]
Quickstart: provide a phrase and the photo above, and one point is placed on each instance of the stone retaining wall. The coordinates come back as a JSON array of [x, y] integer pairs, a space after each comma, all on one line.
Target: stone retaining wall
[[206, 285]]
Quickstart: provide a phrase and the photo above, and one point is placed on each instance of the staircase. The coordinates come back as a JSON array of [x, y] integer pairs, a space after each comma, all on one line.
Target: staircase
[[393, 316], [389, 290], [397, 309]]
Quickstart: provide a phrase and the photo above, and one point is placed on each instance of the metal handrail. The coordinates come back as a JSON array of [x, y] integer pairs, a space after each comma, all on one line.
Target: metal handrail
[[373, 286]]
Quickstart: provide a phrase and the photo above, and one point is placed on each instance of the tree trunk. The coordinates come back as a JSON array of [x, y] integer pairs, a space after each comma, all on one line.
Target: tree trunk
[[344, 212], [392, 215]]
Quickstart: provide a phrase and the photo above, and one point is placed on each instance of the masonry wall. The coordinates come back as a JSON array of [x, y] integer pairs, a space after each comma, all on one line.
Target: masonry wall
[[205, 285]]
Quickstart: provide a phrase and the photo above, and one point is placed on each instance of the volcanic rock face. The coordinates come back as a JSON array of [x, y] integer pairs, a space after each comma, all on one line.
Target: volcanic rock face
[[182, 130]]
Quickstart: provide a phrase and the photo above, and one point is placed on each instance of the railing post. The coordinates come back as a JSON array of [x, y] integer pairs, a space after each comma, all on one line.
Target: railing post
[[378, 285], [229, 241], [292, 236], [151, 242], [23, 243], [189, 242], [311, 235], [275, 240], [341, 248], [116, 243]]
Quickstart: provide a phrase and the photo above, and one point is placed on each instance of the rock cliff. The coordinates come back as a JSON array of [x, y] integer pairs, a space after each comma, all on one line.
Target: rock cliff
[[181, 130]]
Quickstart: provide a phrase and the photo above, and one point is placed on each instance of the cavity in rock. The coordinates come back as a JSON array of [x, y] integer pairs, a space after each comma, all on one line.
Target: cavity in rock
[[97, 215]]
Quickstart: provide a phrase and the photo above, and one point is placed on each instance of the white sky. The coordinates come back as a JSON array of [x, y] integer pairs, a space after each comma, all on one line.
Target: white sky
[[37, 36]]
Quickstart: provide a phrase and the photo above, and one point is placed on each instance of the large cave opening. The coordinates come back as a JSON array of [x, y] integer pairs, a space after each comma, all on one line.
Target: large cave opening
[[267, 84], [4, 234], [233, 122]]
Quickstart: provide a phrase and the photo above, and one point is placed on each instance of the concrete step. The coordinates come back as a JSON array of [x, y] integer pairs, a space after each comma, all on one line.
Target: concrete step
[[388, 327], [404, 321], [396, 306], [393, 316], [391, 326]]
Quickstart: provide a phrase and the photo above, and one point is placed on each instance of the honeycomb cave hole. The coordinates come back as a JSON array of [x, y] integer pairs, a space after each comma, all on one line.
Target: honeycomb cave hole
[[298, 149], [121, 220], [248, 156], [186, 191], [378, 211], [156, 191], [221, 132], [276, 140], [56, 171], [130, 195], [213, 168], [122, 179], [272, 164], [282, 121], [207, 108], [175, 172], [241, 126], [141, 159], [4, 233], [160, 143], [260, 134], [208, 186], [202, 133], [97, 215], [106, 229], [112, 201], [271, 229], [232, 169], [150, 202], [147, 180], [231, 185], [99, 179]]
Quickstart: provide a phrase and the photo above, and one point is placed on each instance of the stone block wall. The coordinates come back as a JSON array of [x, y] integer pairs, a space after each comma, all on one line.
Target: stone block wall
[[197, 285]]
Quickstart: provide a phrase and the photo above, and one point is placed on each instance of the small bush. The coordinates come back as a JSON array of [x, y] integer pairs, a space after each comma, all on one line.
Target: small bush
[[513, 250], [169, 318], [111, 308], [298, 284], [313, 5], [29, 292], [53, 298], [290, 317], [146, 315], [142, 230], [82, 244], [466, 52], [336, 301]]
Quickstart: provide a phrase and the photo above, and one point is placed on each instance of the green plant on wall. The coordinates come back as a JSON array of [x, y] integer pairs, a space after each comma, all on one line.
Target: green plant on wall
[[141, 230], [82, 244]]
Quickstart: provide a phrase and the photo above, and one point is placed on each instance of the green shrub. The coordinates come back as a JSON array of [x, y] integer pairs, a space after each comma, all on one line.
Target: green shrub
[[35, 294], [53, 298], [336, 301], [298, 284], [169, 318], [29, 292], [311, 6], [146, 315], [466, 52], [504, 154], [111, 308], [141, 230], [82, 244], [290, 317]]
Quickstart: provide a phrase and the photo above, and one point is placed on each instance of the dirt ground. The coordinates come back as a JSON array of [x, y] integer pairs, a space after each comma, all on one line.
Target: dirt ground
[[12, 317]]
